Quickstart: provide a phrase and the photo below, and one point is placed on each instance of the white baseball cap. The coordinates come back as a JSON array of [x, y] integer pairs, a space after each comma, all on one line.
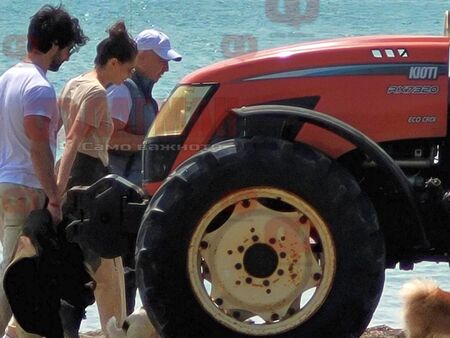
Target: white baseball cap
[[151, 39]]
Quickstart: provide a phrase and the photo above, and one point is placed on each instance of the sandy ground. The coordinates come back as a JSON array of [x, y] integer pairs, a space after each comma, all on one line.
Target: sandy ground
[[92, 334], [383, 332], [374, 332]]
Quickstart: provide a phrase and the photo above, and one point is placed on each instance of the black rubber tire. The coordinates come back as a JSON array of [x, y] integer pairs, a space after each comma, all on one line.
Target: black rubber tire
[[194, 187]]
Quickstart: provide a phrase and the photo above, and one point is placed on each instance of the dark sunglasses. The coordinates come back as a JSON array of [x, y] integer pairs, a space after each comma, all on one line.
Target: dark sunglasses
[[73, 49]]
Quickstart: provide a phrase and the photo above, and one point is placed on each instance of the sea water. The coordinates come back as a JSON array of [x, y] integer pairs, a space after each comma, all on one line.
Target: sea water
[[205, 31]]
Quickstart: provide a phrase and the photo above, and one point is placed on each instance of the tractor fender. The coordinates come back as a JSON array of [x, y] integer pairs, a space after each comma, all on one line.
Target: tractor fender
[[297, 116]]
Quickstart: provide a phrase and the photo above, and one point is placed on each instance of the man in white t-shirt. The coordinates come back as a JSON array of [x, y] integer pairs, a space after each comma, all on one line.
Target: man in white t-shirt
[[28, 123]]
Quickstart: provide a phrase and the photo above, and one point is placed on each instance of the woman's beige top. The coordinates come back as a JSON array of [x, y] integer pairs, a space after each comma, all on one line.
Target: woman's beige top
[[84, 98]]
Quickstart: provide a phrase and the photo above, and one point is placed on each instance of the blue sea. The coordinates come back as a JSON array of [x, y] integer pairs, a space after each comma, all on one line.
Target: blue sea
[[206, 31]]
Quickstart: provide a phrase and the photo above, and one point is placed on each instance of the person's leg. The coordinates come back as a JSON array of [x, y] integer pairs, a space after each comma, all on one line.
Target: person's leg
[[16, 202], [129, 265], [24, 248], [85, 171], [5, 311], [133, 173], [110, 291], [71, 318]]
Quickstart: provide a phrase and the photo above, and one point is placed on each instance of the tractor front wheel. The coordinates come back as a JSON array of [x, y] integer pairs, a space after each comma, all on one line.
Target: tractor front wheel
[[260, 237]]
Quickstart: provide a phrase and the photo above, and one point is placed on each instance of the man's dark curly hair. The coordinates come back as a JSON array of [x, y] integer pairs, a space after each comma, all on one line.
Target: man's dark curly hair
[[54, 25]]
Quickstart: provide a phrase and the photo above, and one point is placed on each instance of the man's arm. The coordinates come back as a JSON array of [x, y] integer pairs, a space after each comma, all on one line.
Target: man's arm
[[37, 130], [122, 140], [120, 103]]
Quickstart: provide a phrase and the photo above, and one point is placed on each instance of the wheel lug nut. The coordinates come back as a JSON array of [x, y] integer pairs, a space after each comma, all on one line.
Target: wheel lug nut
[[238, 266], [280, 272], [255, 238], [252, 230], [241, 249], [317, 276], [230, 252], [283, 238], [248, 280], [275, 317], [219, 301], [238, 282], [272, 241], [303, 219], [283, 254], [268, 291], [266, 283]]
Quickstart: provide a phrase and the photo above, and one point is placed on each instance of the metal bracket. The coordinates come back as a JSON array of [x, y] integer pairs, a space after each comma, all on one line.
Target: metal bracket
[[105, 215]]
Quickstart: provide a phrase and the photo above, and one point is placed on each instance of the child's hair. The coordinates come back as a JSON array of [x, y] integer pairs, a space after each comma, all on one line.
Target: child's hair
[[118, 45]]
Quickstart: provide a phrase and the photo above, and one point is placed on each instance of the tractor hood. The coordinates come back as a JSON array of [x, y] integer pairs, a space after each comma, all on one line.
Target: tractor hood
[[344, 51]]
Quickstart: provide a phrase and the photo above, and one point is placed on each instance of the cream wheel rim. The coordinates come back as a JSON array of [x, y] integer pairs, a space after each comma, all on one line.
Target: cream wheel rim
[[261, 261]]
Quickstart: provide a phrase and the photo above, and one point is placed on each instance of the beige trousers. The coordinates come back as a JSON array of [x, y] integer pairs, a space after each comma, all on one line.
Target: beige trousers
[[16, 202]]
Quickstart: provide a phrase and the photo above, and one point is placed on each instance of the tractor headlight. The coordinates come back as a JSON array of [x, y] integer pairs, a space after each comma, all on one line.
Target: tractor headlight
[[178, 110]]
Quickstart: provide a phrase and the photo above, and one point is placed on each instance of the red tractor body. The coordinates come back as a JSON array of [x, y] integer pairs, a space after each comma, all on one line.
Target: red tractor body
[[282, 183], [285, 181]]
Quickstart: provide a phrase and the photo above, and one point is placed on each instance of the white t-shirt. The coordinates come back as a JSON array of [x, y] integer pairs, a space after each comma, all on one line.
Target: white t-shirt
[[119, 102], [24, 91]]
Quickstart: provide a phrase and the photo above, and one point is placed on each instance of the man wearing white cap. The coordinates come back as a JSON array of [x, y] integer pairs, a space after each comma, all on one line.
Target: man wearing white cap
[[133, 110]]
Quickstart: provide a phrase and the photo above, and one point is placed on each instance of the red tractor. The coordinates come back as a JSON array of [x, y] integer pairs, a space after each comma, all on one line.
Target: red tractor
[[285, 181]]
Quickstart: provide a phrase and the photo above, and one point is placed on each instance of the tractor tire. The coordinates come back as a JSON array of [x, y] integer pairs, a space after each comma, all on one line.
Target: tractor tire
[[260, 237]]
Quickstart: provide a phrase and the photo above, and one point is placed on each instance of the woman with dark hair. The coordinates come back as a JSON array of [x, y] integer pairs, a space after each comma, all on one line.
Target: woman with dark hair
[[88, 126]]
